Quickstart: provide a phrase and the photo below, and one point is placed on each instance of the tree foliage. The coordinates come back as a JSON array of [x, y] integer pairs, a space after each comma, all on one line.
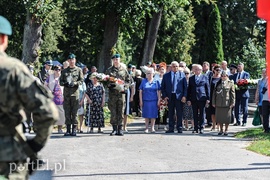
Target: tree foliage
[[213, 50]]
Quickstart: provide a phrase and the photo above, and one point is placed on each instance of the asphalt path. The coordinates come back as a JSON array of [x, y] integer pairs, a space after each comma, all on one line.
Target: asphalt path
[[137, 155]]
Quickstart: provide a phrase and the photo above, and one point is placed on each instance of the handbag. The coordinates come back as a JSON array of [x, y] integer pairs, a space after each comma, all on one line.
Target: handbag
[[81, 111], [257, 118]]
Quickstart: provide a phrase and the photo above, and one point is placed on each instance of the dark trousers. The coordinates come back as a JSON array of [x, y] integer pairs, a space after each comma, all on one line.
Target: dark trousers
[[266, 112], [241, 105], [175, 104], [198, 108]]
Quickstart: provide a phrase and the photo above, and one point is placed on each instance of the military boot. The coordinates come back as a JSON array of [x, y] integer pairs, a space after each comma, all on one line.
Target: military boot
[[68, 130], [114, 131], [120, 131], [74, 130]]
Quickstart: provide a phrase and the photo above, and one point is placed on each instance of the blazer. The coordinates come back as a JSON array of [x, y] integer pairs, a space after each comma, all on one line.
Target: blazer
[[242, 92], [181, 86], [200, 91], [224, 94]]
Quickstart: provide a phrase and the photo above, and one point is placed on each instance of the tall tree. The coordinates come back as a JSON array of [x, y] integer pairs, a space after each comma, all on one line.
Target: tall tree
[[213, 50], [37, 12]]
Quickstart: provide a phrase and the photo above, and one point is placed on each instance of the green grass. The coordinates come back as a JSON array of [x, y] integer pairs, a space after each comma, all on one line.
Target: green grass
[[260, 140]]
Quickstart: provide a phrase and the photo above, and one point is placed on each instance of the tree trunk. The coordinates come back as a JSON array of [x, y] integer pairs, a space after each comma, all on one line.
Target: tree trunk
[[31, 40], [150, 37], [110, 37]]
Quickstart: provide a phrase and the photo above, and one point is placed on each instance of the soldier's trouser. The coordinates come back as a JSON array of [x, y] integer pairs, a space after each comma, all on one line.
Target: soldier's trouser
[[116, 104], [71, 106], [12, 170]]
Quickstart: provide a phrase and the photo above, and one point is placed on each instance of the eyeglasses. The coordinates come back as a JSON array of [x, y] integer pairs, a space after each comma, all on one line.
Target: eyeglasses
[[231, 69], [57, 69], [217, 69], [174, 66]]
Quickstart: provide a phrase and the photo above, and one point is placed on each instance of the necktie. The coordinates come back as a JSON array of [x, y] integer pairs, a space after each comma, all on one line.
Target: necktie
[[239, 76], [197, 79], [173, 83]]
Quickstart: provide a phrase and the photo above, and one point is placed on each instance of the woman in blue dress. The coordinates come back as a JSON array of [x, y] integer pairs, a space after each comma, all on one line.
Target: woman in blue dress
[[149, 99]]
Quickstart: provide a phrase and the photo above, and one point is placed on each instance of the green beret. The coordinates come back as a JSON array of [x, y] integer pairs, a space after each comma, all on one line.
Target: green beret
[[71, 56], [5, 27], [116, 56]]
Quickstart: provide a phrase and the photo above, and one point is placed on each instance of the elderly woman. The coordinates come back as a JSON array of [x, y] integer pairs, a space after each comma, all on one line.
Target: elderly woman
[[159, 76], [149, 99], [95, 95], [223, 100], [187, 110], [136, 99], [52, 82]]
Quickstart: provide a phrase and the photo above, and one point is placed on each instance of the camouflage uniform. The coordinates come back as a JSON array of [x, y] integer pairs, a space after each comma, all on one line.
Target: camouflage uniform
[[21, 91], [71, 95], [116, 102]]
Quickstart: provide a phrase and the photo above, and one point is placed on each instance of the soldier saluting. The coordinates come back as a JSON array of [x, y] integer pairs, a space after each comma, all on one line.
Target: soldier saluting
[[20, 91], [116, 102], [71, 78]]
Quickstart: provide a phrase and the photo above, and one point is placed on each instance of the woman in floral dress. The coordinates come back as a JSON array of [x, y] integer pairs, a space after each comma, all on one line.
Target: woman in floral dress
[[95, 94]]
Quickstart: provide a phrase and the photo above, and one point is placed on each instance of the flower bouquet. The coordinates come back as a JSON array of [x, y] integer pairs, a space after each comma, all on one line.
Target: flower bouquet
[[162, 108], [106, 80], [245, 83]]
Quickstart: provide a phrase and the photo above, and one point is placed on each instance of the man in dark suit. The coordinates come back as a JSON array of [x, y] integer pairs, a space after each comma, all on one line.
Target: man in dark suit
[[45, 72], [242, 96], [198, 96], [174, 91]]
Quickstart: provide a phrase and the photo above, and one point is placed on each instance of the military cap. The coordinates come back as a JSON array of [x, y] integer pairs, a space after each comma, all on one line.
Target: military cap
[[5, 27], [49, 62], [233, 66], [116, 56], [71, 56]]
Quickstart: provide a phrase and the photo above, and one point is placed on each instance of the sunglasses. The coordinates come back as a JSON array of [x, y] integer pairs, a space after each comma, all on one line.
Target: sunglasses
[[186, 73], [217, 69], [57, 69]]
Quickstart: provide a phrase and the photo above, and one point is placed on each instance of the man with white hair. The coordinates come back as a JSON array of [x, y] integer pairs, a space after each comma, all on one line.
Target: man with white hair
[[225, 68], [174, 91], [198, 96]]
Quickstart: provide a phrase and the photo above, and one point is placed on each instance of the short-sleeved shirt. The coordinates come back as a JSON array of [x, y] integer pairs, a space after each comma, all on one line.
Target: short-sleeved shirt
[[149, 90]]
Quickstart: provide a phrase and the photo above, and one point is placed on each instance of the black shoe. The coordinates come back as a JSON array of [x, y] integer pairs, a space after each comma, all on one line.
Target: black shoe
[[244, 124], [169, 131], [266, 131], [180, 131], [114, 131], [67, 134], [236, 124], [201, 131], [220, 133], [195, 131], [68, 130], [120, 131], [225, 134]]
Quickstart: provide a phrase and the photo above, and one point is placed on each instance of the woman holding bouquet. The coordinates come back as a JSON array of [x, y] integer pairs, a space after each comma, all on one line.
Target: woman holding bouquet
[[223, 100], [149, 99], [95, 95]]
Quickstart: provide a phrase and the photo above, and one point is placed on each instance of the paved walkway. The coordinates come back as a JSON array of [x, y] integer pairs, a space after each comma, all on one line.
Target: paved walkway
[[154, 156]]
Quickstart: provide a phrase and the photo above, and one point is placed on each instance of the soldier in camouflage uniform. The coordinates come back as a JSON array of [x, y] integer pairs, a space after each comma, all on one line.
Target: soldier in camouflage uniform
[[71, 78], [20, 91], [116, 102]]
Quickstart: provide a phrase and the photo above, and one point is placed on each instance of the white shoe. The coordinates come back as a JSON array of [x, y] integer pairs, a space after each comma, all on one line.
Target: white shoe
[[146, 131]]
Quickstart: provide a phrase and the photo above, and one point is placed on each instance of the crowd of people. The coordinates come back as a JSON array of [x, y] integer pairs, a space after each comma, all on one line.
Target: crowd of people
[[172, 95]]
